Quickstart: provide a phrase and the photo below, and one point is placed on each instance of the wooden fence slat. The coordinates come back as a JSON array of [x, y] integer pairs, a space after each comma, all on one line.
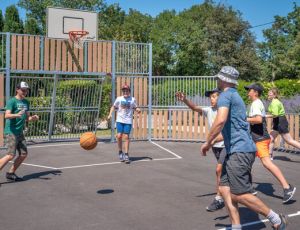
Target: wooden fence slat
[[166, 124], [13, 52], [145, 94], [190, 120], [37, 53], [297, 127], [173, 123], [201, 131], [64, 54], [104, 57], [99, 57], [179, 125], [140, 123], [154, 123], [31, 53], [70, 58], [25, 53], [140, 86], [109, 61], [58, 55], [160, 124], [20, 52], [2, 100], [95, 60], [46, 54], [145, 120], [81, 59], [52, 54], [185, 124]]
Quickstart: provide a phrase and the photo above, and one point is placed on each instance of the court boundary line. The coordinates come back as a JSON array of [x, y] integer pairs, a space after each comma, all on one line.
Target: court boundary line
[[100, 164], [262, 221]]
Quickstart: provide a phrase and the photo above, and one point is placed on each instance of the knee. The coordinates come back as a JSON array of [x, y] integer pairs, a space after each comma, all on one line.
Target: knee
[[125, 137], [119, 136]]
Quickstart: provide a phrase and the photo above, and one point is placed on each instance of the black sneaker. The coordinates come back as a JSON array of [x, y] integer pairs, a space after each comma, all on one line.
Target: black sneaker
[[13, 177], [283, 223], [121, 156], [288, 194], [126, 158], [215, 205]]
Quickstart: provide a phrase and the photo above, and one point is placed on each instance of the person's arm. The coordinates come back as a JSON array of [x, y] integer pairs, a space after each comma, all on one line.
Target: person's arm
[[216, 129], [111, 111], [219, 138], [182, 97], [31, 118], [257, 119], [9, 115]]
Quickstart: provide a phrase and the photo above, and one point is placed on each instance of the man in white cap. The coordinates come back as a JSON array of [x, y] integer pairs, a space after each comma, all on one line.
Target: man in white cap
[[16, 114], [236, 183]]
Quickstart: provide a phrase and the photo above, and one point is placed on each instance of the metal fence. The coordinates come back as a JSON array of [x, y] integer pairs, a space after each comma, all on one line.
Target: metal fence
[[67, 104]]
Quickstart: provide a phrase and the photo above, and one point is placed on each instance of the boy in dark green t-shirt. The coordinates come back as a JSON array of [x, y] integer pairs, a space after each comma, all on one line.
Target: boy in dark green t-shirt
[[16, 114]]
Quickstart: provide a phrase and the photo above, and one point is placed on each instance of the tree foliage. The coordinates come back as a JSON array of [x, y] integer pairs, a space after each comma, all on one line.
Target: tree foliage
[[12, 22]]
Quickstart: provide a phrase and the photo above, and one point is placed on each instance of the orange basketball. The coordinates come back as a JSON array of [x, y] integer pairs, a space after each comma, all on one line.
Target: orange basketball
[[88, 141]]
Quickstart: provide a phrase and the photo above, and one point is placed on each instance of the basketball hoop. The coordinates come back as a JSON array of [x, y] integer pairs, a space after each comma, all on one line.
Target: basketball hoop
[[78, 38]]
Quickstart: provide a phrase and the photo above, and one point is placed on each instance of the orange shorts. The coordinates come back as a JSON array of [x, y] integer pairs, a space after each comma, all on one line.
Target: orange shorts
[[263, 148]]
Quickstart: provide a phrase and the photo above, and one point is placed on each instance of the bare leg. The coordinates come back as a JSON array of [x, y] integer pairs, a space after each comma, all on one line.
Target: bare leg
[[231, 205], [119, 138], [126, 143], [273, 136], [288, 139], [268, 164], [252, 202], [218, 173], [18, 161], [4, 160]]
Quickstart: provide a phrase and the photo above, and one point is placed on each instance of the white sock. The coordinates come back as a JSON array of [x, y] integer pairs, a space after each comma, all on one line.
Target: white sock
[[218, 197], [274, 217], [236, 227]]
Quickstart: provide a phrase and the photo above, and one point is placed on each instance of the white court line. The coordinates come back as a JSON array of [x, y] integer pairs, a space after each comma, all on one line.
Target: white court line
[[109, 163], [169, 151], [43, 146], [261, 221]]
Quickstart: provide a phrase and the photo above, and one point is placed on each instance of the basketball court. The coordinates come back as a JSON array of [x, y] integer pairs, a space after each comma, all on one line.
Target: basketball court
[[166, 186]]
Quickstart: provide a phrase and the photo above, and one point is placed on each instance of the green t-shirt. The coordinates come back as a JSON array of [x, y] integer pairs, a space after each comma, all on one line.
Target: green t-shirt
[[276, 108], [16, 125]]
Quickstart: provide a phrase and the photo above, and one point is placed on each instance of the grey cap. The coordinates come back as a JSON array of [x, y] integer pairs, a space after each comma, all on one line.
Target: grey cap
[[228, 74]]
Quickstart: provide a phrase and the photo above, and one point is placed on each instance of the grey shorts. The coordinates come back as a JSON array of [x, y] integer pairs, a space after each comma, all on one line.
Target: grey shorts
[[236, 172], [220, 154], [14, 143]]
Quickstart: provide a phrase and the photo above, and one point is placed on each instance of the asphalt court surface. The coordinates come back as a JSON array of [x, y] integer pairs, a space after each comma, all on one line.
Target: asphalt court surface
[[166, 186]]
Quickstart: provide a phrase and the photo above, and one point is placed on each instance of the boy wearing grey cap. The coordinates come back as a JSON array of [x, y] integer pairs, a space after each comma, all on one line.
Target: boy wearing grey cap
[[16, 114]]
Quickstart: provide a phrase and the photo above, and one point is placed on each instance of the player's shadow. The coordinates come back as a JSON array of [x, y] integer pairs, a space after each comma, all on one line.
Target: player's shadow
[[105, 191], [208, 194], [267, 189], [284, 158], [246, 216], [140, 158], [42, 175]]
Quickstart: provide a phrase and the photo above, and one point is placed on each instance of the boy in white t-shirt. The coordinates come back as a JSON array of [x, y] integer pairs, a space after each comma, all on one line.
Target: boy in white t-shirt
[[125, 105], [218, 146]]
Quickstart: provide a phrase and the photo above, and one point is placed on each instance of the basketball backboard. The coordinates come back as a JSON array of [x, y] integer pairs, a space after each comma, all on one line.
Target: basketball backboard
[[61, 21]]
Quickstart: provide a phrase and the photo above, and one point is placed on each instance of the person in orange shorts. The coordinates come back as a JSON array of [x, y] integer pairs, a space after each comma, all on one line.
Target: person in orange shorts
[[257, 119]]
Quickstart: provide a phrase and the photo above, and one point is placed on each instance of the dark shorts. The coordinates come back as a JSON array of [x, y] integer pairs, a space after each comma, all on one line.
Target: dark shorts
[[14, 143], [220, 154], [236, 172], [281, 124], [123, 128]]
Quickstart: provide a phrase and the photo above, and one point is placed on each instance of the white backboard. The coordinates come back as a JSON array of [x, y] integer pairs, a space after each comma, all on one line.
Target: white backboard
[[60, 21]]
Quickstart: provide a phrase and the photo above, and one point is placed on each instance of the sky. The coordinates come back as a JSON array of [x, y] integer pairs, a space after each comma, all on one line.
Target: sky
[[256, 12]]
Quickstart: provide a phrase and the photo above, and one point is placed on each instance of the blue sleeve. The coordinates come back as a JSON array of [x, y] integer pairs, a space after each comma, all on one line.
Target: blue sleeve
[[224, 100]]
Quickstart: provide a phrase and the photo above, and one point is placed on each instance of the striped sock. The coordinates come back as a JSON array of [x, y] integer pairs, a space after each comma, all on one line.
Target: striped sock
[[274, 218]]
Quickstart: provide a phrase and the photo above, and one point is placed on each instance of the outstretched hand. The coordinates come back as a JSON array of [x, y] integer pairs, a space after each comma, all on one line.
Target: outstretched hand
[[180, 96], [204, 148]]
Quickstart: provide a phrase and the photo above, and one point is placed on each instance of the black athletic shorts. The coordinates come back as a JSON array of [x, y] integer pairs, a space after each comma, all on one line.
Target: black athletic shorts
[[280, 124]]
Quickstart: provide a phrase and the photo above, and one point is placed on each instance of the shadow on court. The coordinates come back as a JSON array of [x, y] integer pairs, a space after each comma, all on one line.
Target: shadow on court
[[42, 175]]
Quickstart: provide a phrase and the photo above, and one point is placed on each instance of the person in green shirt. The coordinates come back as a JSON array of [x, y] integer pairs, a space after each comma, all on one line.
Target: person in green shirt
[[16, 114], [280, 123]]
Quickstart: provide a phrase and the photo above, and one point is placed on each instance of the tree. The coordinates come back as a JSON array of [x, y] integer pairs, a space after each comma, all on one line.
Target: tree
[[37, 9], [280, 52], [12, 22], [31, 27], [1, 21], [111, 20]]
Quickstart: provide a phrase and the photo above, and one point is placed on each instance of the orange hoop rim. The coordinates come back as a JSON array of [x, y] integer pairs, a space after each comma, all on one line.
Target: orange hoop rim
[[77, 34]]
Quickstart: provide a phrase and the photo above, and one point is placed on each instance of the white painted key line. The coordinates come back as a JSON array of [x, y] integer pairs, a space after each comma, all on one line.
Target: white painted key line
[[108, 163], [262, 221]]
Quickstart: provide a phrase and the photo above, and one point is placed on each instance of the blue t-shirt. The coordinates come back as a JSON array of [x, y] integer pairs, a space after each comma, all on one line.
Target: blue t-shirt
[[236, 131]]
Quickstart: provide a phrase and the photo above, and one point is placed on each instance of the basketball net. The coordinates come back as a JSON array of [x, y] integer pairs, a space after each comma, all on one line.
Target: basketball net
[[78, 38]]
